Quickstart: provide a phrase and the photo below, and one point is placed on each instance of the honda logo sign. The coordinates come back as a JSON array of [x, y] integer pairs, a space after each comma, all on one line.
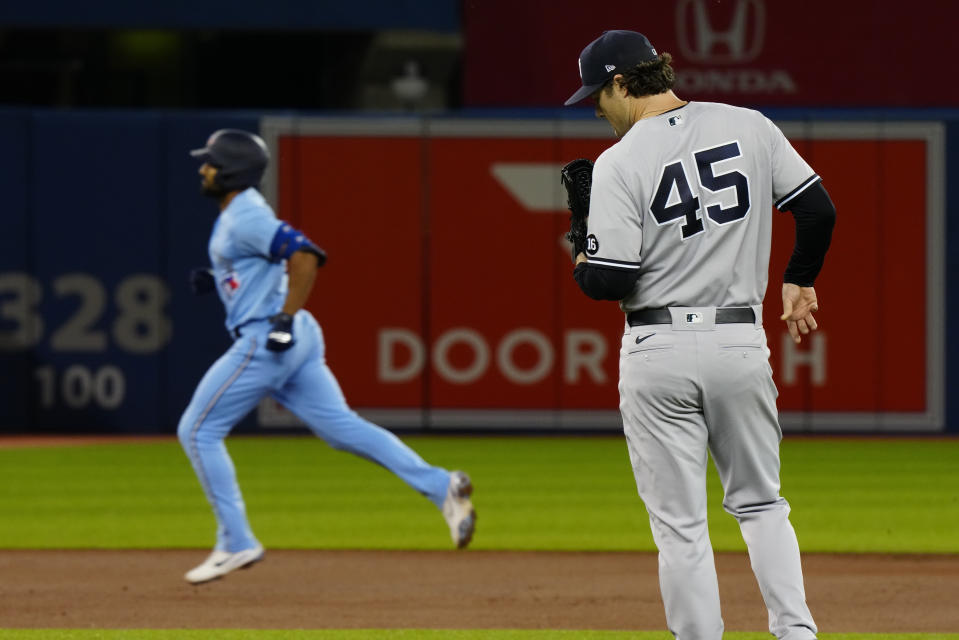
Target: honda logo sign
[[703, 36]]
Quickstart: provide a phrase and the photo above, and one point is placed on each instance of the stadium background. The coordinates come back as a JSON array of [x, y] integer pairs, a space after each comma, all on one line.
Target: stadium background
[[417, 142]]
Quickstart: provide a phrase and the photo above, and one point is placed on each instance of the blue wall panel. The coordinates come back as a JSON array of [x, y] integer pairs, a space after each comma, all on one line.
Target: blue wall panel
[[93, 235], [103, 217], [16, 360], [952, 275]]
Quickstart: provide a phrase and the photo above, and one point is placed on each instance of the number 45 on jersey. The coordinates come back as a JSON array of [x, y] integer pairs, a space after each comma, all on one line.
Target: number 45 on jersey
[[674, 177]]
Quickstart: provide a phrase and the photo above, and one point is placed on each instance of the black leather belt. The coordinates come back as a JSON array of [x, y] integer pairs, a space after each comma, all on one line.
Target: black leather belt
[[724, 315]]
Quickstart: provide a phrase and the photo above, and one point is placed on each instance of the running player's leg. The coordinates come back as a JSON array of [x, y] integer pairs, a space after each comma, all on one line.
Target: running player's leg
[[741, 412], [667, 438], [313, 394], [228, 391]]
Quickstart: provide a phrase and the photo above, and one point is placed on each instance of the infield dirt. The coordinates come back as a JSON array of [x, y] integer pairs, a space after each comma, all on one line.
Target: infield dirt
[[461, 590]]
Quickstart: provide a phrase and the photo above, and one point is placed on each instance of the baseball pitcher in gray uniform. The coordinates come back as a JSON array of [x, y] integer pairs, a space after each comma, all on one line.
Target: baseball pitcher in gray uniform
[[679, 232]]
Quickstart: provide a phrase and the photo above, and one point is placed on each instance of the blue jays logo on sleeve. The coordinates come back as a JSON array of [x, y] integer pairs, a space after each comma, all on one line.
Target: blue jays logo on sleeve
[[230, 284]]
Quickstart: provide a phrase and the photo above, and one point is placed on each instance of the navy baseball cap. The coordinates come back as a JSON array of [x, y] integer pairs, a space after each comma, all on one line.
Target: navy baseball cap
[[611, 53]]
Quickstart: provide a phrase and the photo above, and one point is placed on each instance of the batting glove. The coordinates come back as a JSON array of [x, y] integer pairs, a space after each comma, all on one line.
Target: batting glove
[[281, 333], [201, 281]]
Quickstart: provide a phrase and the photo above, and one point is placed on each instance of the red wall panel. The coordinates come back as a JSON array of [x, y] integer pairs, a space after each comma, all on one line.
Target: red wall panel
[[447, 290]]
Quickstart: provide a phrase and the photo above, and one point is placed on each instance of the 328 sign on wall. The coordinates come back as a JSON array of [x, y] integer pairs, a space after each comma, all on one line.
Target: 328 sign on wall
[[80, 334]]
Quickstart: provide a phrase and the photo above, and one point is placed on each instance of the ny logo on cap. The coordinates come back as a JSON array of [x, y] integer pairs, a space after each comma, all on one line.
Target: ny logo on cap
[[610, 67]]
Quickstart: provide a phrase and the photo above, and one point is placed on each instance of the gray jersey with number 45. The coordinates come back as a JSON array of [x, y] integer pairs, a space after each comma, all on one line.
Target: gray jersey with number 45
[[684, 198]]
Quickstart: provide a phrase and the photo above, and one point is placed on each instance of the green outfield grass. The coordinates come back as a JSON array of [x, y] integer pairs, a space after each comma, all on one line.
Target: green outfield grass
[[410, 634], [552, 493]]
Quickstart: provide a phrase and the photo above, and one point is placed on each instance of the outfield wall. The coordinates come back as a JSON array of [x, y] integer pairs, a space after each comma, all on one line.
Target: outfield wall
[[447, 301]]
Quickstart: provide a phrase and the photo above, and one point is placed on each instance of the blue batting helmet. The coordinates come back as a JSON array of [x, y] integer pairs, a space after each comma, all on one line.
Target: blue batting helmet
[[239, 156]]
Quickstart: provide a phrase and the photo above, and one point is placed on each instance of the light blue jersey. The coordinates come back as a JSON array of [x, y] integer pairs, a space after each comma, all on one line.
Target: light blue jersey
[[251, 282]]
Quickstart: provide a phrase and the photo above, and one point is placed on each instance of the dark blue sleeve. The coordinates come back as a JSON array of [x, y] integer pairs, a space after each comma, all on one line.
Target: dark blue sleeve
[[288, 240], [601, 283], [815, 216]]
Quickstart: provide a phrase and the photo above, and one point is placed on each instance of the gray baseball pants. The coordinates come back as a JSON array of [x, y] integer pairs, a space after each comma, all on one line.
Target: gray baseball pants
[[689, 388]]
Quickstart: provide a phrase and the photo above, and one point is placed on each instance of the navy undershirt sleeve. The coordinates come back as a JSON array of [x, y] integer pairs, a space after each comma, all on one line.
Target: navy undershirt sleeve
[[602, 283], [815, 217]]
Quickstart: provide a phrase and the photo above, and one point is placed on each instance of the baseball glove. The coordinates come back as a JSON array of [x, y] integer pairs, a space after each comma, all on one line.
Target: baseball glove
[[577, 177]]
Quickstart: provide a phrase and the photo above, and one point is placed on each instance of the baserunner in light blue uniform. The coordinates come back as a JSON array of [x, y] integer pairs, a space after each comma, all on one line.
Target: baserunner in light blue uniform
[[263, 270]]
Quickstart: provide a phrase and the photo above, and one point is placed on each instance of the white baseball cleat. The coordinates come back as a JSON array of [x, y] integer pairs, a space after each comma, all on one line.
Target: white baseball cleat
[[458, 510], [220, 563]]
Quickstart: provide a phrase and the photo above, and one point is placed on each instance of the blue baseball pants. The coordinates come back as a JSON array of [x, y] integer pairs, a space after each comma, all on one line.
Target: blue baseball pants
[[301, 381]]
